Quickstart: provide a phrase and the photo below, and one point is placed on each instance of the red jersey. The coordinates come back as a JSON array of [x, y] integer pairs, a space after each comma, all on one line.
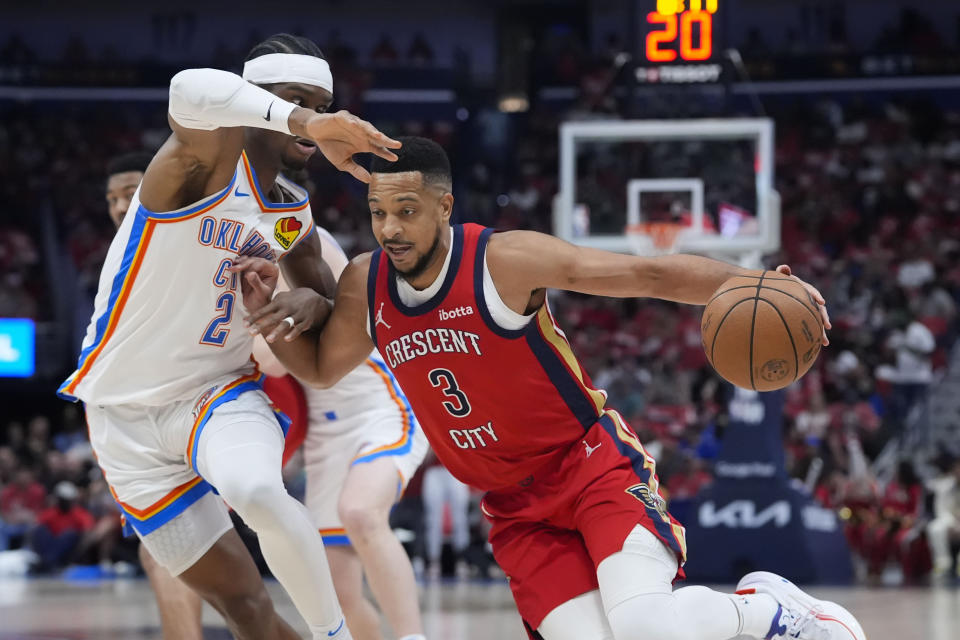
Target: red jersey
[[495, 404]]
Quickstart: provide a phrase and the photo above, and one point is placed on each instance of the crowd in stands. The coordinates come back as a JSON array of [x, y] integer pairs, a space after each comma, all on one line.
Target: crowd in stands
[[870, 215]]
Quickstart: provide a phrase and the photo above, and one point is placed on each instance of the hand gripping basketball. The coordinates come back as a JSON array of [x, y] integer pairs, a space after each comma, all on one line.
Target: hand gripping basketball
[[762, 332]]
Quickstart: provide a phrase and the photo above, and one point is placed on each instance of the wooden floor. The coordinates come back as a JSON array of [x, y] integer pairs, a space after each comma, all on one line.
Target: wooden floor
[[121, 609]]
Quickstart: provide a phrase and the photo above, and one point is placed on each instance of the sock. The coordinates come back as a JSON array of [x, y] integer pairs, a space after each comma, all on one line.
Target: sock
[[757, 611], [338, 631]]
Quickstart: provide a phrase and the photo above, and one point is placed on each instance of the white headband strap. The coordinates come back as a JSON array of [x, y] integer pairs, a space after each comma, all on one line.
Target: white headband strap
[[289, 67]]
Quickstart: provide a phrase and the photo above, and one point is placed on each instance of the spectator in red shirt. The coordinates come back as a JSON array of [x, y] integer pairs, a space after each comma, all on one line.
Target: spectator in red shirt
[[20, 502], [60, 527]]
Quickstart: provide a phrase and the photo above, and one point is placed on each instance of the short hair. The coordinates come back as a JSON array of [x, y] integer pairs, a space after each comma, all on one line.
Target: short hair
[[418, 154], [285, 43], [133, 161]]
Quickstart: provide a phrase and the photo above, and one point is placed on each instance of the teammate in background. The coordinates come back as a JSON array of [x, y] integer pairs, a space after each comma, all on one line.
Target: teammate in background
[[124, 173], [461, 317], [180, 609], [362, 446], [172, 396]]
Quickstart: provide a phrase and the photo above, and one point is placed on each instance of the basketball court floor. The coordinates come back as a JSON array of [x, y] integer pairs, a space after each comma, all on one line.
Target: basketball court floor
[[35, 609]]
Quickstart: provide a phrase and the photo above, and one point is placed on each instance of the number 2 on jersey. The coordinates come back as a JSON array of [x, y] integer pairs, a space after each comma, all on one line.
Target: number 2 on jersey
[[444, 377], [216, 334]]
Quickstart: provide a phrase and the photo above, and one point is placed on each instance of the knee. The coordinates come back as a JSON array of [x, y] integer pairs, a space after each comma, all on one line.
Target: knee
[[361, 521], [255, 499]]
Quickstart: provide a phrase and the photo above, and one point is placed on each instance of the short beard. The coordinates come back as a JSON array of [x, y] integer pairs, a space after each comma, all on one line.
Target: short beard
[[421, 265]]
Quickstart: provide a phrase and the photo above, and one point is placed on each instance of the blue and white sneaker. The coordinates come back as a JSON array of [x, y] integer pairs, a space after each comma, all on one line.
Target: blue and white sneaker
[[800, 616]]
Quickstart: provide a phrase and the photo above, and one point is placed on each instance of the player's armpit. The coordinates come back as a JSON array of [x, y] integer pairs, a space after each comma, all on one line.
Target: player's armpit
[[191, 165], [523, 261]]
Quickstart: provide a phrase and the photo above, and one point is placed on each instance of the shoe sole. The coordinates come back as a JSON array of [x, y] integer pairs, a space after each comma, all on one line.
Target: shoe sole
[[842, 621]]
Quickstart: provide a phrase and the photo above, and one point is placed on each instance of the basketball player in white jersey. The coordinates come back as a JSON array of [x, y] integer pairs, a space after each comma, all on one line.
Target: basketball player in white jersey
[[363, 445], [172, 395]]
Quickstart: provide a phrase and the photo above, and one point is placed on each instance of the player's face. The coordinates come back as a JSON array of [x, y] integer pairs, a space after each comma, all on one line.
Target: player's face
[[409, 219], [295, 152], [120, 190]]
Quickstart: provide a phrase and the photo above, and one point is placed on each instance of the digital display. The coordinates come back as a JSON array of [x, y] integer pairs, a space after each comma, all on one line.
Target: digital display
[[17, 338], [680, 38]]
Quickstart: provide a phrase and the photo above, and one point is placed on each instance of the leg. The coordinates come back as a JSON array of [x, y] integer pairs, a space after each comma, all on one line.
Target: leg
[[368, 494], [581, 618], [638, 597], [362, 618], [180, 608], [239, 452], [238, 593]]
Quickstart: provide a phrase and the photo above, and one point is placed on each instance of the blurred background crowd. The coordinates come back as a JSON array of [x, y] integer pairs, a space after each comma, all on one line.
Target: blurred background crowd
[[870, 189]]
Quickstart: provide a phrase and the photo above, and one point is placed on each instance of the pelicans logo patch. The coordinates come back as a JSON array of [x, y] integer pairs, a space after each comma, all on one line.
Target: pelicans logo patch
[[286, 231]]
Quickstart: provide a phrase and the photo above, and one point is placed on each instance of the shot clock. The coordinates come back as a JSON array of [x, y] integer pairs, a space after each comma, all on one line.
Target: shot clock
[[680, 42]]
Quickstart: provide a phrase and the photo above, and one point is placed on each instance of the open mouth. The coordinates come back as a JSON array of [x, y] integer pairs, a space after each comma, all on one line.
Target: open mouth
[[398, 250], [305, 145]]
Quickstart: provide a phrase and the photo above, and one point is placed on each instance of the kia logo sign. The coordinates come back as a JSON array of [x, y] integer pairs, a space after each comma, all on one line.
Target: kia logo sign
[[743, 514]]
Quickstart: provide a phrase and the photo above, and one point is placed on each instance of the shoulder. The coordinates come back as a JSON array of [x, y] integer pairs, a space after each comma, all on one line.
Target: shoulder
[[356, 271]]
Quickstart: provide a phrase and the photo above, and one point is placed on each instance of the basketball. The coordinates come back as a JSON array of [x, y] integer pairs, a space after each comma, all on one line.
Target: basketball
[[761, 332]]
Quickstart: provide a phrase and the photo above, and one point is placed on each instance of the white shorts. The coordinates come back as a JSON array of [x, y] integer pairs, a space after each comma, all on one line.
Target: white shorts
[[148, 456], [336, 442]]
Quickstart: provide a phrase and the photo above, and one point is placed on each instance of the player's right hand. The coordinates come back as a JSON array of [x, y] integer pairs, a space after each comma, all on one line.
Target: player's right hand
[[289, 314], [258, 280]]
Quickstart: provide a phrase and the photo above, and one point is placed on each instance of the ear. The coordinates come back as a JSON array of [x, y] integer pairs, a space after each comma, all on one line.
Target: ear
[[446, 206]]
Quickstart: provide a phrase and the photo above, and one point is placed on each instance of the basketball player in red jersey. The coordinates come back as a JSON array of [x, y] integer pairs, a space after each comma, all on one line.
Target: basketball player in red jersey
[[460, 315]]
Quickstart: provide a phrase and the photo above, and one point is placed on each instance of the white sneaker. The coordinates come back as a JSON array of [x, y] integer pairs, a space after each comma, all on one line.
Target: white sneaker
[[801, 616]]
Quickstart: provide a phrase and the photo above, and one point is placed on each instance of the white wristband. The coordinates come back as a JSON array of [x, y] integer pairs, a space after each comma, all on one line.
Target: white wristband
[[209, 99]]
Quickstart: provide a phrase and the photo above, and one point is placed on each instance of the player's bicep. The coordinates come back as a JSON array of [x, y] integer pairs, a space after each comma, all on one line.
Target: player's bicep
[[527, 261]]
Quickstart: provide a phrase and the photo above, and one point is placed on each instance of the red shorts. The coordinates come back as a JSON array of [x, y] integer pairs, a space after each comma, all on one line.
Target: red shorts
[[550, 535]]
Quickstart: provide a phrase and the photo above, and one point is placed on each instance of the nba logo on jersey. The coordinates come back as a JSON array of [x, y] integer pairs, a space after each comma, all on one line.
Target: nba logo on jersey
[[286, 231]]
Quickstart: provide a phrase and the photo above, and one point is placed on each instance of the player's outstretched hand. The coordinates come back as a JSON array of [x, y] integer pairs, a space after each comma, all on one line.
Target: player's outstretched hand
[[812, 290], [289, 314], [258, 280], [340, 135]]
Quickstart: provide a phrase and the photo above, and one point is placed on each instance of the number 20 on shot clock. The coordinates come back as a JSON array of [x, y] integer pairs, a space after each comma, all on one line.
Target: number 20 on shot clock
[[679, 42]]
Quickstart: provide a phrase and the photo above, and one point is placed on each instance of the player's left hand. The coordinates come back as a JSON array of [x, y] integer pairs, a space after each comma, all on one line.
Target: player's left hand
[[258, 280], [289, 314], [815, 294], [340, 135]]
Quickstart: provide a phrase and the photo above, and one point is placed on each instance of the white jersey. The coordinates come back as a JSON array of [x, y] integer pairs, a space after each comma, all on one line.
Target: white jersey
[[167, 317], [355, 392]]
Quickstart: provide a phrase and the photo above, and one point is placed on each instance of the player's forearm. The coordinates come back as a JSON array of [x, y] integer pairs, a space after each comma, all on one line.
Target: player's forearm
[[299, 357], [689, 279], [209, 99]]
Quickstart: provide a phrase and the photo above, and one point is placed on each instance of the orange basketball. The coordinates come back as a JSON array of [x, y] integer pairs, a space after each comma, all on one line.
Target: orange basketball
[[761, 332]]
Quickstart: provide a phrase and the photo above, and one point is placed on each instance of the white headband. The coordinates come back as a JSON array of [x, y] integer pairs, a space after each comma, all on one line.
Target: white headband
[[289, 67]]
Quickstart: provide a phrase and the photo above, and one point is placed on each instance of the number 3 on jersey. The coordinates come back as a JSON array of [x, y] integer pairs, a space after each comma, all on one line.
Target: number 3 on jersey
[[444, 378], [216, 334]]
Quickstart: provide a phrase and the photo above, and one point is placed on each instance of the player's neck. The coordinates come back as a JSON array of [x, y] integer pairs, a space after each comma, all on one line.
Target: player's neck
[[433, 270], [266, 171]]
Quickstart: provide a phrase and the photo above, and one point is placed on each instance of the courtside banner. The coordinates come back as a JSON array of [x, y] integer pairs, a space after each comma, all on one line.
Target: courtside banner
[[753, 517]]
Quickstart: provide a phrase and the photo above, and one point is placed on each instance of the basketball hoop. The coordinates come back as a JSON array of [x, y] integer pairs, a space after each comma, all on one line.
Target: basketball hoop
[[653, 238]]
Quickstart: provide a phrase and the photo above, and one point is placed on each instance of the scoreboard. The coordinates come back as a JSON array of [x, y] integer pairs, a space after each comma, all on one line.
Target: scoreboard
[[680, 42]]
